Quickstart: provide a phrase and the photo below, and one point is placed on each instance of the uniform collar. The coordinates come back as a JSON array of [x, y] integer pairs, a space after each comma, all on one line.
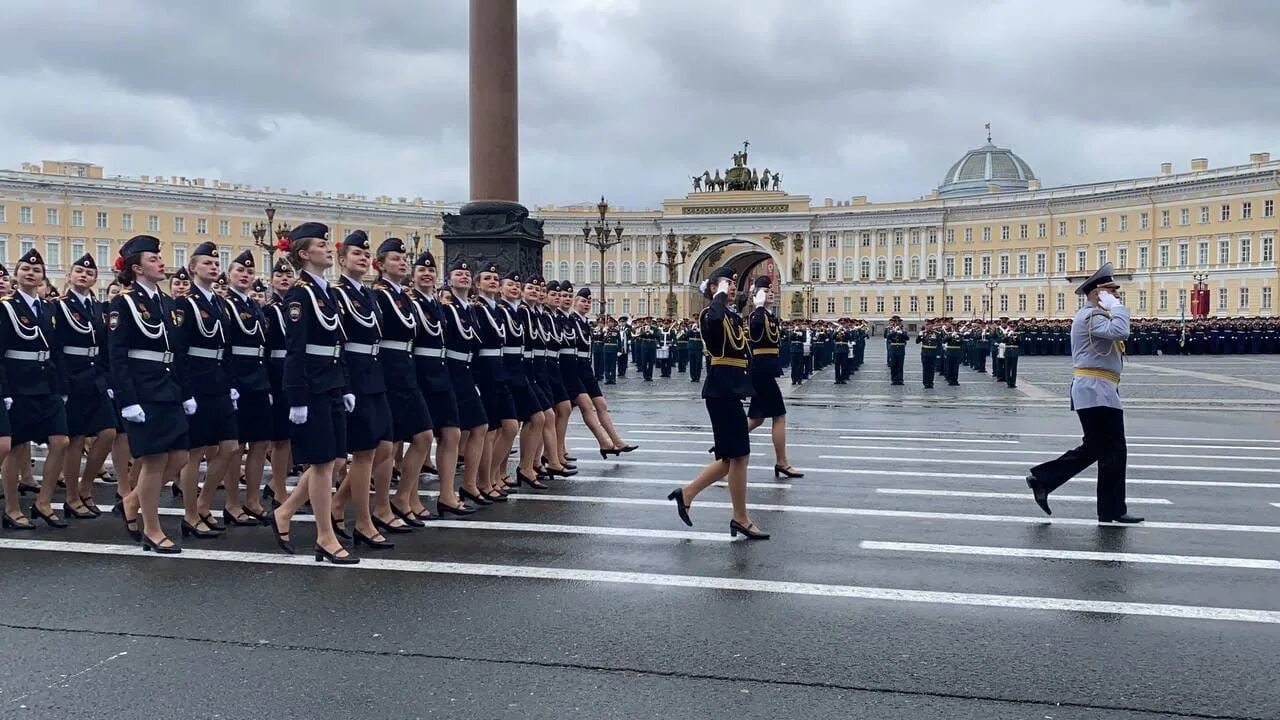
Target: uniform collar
[[208, 294], [31, 301]]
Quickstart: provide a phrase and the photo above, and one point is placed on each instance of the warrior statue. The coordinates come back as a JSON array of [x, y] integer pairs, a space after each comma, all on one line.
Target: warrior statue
[[777, 180], [697, 184]]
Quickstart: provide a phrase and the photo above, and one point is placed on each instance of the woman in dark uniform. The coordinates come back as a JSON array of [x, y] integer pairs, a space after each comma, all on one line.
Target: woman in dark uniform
[[315, 388], [491, 379], [517, 357], [246, 364], [437, 391], [274, 492], [727, 383], [124, 468], [82, 336], [145, 377], [369, 425], [459, 346], [766, 399], [567, 360], [591, 404], [557, 460]]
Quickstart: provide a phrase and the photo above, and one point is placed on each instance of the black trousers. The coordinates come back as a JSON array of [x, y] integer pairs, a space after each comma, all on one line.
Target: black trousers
[[897, 356], [1104, 444], [926, 367]]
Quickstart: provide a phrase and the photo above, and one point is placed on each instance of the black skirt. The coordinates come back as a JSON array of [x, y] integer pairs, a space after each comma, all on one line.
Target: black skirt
[[728, 428], [213, 421], [470, 407], [255, 416], [766, 400], [499, 404], [590, 385], [409, 413], [525, 397], [34, 418], [89, 414], [323, 437], [555, 384], [369, 423], [5, 428], [572, 381], [442, 406], [163, 430]]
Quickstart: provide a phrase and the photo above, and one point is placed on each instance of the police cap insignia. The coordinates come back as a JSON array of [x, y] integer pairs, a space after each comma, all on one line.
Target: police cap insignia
[[182, 274], [491, 268], [282, 266], [244, 258], [584, 292], [31, 257]]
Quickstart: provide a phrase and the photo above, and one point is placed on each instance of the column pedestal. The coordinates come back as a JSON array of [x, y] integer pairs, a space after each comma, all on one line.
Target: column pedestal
[[496, 231]]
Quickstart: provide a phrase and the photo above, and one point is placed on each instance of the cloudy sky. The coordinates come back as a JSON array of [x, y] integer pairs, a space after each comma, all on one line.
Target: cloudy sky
[[631, 97]]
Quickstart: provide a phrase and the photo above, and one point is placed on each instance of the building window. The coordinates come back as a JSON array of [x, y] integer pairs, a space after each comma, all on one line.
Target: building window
[[915, 266], [1124, 223], [104, 251], [929, 306], [610, 272], [179, 225], [1202, 252], [1246, 252], [968, 304], [897, 268], [1102, 257], [1222, 298], [1164, 255], [1060, 261], [246, 228], [179, 256], [932, 267], [24, 216], [1082, 227], [1143, 253], [1004, 264], [626, 271], [986, 265], [202, 226], [626, 243], [968, 235], [882, 269], [914, 305], [1182, 254], [1268, 249], [815, 241], [25, 245], [882, 238], [53, 253], [831, 240], [51, 216], [813, 305], [933, 237], [1182, 299], [897, 304], [102, 221], [77, 218], [949, 304], [831, 270], [1004, 232], [848, 269], [1062, 228], [866, 239], [951, 237], [862, 305], [815, 270], [950, 267], [1004, 303], [4, 248], [1022, 232], [153, 223], [1039, 302], [968, 267], [1041, 231], [1268, 208], [1022, 303], [1142, 300], [1164, 218], [224, 228], [1224, 252], [1144, 221], [1204, 214], [848, 305], [595, 273], [224, 258], [126, 221], [1040, 263], [579, 272], [831, 306], [986, 304], [1022, 264], [1062, 302], [865, 272], [1082, 259], [1184, 216], [986, 234], [77, 249], [1244, 298], [611, 306], [1226, 213], [1122, 257], [1246, 210], [1164, 300], [1102, 224], [642, 272], [1266, 297]]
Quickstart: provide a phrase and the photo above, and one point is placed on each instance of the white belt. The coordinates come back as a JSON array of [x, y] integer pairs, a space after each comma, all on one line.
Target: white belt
[[36, 355], [207, 353], [361, 349], [541, 353], [81, 351], [401, 345], [528, 354], [246, 351], [459, 356], [152, 355], [428, 352], [489, 352], [512, 351], [332, 351], [569, 352], [584, 354], [278, 354]]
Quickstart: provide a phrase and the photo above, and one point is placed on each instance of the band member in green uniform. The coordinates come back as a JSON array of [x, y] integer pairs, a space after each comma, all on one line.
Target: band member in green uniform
[[896, 338]]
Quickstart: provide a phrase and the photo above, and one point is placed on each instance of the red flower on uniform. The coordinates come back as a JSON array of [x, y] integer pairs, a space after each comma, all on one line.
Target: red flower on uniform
[[118, 264]]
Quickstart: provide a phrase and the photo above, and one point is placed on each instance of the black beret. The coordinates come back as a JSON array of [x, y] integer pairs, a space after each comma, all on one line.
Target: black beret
[[553, 286], [308, 230], [724, 271], [535, 279], [140, 244], [205, 248], [357, 238], [513, 275], [491, 267], [245, 258], [282, 266], [566, 286], [86, 261], [584, 292], [182, 274], [390, 245], [259, 286], [31, 257], [4, 271], [222, 279], [425, 259], [763, 282], [460, 264]]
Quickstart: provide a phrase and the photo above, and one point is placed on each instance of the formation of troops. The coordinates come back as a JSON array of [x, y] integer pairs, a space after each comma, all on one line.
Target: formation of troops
[[346, 382]]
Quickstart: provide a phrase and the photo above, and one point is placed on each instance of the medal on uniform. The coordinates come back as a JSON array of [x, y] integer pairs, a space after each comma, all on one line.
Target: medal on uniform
[[177, 314]]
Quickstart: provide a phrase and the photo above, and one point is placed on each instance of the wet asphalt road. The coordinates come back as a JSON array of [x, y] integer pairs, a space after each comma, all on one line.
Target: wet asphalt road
[[910, 576]]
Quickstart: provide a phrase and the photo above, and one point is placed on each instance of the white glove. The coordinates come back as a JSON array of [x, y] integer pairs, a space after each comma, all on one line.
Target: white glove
[[1107, 300], [723, 286], [270, 400], [702, 288], [189, 406], [64, 399], [111, 394], [349, 402], [134, 413], [235, 394], [8, 403], [760, 297], [298, 415]]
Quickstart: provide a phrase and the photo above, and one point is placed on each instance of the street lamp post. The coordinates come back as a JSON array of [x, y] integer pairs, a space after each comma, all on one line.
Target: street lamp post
[[991, 299], [1200, 307], [808, 299], [605, 238], [262, 233], [673, 250], [415, 243], [648, 300]]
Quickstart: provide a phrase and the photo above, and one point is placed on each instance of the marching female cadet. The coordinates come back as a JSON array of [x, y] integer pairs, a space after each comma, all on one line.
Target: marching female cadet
[[180, 284], [437, 391], [557, 458], [459, 345], [211, 428], [82, 338], [410, 418], [123, 467], [591, 404], [491, 379], [766, 398], [34, 385], [274, 492], [247, 368], [727, 383], [517, 359], [145, 377], [567, 357], [536, 367], [258, 293], [315, 388], [369, 430]]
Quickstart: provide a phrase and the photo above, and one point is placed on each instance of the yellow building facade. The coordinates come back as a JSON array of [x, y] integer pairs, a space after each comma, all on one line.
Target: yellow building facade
[[988, 241]]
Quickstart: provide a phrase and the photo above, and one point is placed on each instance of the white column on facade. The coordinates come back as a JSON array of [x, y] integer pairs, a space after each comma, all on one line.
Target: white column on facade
[[857, 256]]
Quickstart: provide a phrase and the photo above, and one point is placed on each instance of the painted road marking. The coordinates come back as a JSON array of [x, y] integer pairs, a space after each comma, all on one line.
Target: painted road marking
[[954, 461], [697, 582], [1011, 496], [1193, 560]]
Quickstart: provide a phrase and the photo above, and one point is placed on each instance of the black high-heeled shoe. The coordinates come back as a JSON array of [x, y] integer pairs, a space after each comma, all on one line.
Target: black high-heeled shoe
[[409, 518], [340, 527], [244, 519], [214, 525], [26, 488], [522, 479], [281, 538], [561, 472], [359, 537], [149, 545], [52, 519], [430, 469], [570, 458], [752, 531], [681, 508], [500, 497], [629, 448], [20, 524], [473, 497], [387, 527], [130, 526], [259, 517], [87, 501], [347, 559], [462, 510], [269, 496], [788, 471], [69, 511], [606, 452], [189, 530]]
